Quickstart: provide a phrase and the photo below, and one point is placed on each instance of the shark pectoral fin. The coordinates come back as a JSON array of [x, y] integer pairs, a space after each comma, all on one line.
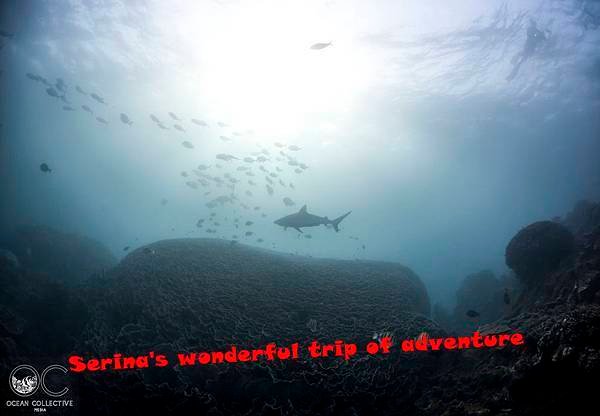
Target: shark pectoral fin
[[299, 230]]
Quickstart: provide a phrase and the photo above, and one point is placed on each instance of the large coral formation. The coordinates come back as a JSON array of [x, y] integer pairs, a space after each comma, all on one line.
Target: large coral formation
[[68, 258], [203, 295], [538, 249]]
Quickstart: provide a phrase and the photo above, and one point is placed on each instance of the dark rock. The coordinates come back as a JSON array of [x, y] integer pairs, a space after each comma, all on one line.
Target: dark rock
[[40, 319], [481, 292], [67, 258], [538, 249], [587, 270], [584, 218], [558, 374], [555, 372], [7, 258]]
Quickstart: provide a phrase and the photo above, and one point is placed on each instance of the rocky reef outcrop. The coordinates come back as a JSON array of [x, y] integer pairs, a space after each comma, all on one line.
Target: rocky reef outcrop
[[40, 318], [483, 293], [538, 249], [584, 218], [67, 258], [558, 311]]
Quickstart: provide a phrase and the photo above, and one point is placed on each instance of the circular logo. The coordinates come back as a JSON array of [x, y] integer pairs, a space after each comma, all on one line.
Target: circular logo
[[24, 380]]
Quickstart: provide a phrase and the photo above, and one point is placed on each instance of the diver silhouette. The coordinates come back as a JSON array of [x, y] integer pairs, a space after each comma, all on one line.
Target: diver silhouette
[[534, 38]]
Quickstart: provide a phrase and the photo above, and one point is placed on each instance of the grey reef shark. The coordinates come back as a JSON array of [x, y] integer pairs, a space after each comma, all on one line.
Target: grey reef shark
[[302, 219]]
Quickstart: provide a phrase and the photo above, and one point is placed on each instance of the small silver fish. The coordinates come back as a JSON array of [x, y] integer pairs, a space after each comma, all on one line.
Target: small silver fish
[[199, 122], [125, 119], [320, 45]]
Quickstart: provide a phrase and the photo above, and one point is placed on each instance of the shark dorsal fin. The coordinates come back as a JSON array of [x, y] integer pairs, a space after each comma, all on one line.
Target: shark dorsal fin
[[303, 210]]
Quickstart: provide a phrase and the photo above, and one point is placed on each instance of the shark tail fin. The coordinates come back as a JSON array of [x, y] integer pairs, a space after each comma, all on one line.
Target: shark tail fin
[[337, 221]]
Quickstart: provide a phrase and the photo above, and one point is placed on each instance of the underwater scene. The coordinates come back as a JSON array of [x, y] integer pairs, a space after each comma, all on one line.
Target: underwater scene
[[273, 207]]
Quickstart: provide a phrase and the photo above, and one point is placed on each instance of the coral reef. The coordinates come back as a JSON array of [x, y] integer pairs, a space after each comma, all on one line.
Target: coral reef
[[584, 218], [481, 292], [557, 371], [40, 318], [198, 294], [203, 294], [538, 249], [68, 258]]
